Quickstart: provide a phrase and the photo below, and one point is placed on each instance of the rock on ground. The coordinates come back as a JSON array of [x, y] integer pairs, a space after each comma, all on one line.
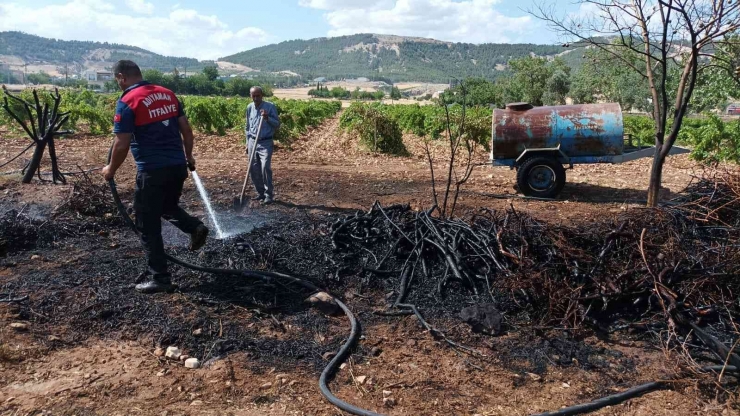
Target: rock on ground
[[18, 326], [173, 353], [325, 303], [483, 318]]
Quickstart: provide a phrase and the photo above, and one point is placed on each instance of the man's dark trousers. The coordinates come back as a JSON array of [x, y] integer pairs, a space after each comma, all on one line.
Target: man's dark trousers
[[157, 196]]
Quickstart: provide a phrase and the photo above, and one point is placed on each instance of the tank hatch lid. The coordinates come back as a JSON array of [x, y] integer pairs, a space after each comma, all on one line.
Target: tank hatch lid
[[519, 106]]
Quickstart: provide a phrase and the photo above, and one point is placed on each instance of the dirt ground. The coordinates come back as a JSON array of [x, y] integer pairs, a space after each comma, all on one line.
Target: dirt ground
[[48, 369]]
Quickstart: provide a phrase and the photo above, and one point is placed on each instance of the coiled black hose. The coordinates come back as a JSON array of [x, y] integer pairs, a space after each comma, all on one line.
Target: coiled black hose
[[344, 352]]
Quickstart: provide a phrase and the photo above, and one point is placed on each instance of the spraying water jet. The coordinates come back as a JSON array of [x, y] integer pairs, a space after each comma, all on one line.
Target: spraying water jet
[[207, 202]]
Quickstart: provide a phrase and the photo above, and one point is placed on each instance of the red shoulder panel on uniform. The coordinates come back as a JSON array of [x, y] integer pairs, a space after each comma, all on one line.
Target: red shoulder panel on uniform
[[152, 103]]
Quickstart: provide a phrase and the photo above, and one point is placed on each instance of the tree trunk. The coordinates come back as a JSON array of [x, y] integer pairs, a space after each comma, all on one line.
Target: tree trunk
[[56, 175], [656, 176], [38, 153]]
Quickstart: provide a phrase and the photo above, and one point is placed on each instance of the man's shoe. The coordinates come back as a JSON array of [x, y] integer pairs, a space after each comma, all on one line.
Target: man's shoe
[[268, 200], [198, 237], [258, 198], [155, 286]]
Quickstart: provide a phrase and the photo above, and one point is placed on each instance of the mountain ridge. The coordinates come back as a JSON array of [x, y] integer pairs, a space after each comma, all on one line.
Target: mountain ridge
[[375, 56], [52, 55], [398, 58]]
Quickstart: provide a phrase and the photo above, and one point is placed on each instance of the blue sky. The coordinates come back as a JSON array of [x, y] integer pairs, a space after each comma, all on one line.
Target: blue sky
[[210, 29]]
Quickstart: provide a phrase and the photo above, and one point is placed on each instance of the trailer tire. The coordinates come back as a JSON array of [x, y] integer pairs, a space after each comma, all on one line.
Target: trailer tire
[[541, 177]]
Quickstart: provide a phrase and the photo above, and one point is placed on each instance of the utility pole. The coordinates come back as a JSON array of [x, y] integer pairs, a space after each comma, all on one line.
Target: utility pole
[[25, 70], [66, 73]]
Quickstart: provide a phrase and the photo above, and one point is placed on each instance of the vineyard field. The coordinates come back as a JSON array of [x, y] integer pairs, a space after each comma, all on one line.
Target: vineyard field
[[213, 115], [378, 125], [428, 121]]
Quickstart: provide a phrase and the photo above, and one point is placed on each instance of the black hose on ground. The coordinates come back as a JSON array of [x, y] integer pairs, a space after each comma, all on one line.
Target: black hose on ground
[[342, 355], [626, 395]]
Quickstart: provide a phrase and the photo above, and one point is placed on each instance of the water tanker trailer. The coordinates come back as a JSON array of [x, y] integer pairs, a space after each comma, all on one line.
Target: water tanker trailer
[[539, 141]]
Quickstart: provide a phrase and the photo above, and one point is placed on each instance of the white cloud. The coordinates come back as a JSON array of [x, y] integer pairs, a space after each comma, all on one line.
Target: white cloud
[[346, 4], [474, 21], [184, 32], [97, 4], [140, 6]]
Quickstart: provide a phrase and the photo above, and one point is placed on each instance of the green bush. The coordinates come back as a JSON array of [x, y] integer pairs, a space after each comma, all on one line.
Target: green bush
[[713, 140], [297, 115], [641, 128], [377, 131], [431, 121], [212, 114]]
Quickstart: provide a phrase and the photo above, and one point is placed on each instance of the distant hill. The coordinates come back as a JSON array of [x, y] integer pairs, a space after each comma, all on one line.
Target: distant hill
[[380, 57], [394, 57], [17, 48]]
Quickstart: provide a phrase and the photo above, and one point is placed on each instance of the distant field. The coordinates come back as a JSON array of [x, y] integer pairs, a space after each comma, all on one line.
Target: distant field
[[416, 88]]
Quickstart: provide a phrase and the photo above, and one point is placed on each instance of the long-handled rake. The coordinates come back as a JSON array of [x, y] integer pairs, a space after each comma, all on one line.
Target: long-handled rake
[[239, 202]]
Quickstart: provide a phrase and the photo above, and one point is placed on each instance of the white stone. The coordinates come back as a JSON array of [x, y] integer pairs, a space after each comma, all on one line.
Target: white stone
[[192, 363], [265, 386], [324, 302], [18, 326], [173, 353], [387, 393], [361, 379]]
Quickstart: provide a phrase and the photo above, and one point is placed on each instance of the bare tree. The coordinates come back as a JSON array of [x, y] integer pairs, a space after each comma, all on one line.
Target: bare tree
[[668, 35], [41, 123], [462, 147]]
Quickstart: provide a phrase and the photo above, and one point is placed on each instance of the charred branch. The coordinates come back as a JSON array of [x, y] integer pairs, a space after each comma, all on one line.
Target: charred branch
[[41, 124]]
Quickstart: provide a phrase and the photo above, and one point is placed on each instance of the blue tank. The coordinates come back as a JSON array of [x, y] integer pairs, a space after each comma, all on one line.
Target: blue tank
[[585, 130]]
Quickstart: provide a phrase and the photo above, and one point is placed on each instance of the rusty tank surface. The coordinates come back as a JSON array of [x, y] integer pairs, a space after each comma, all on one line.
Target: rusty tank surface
[[585, 130]]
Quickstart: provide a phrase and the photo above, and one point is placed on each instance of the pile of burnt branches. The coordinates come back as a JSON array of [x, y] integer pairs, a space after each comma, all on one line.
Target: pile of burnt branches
[[87, 210], [89, 204], [17, 233], [652, 269], [713, 199]]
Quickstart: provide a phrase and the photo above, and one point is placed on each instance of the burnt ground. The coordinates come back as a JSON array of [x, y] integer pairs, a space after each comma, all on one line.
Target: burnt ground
[[90, 339]]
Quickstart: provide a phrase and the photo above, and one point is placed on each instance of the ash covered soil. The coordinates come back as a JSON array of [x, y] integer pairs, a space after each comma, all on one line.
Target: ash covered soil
[[87, 340]]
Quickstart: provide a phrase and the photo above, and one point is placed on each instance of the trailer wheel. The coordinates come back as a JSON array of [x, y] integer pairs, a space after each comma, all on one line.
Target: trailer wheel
[[541, 177]]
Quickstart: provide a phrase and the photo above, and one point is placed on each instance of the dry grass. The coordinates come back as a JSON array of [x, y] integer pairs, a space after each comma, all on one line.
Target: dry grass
[[10, 354], [10, 178]]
